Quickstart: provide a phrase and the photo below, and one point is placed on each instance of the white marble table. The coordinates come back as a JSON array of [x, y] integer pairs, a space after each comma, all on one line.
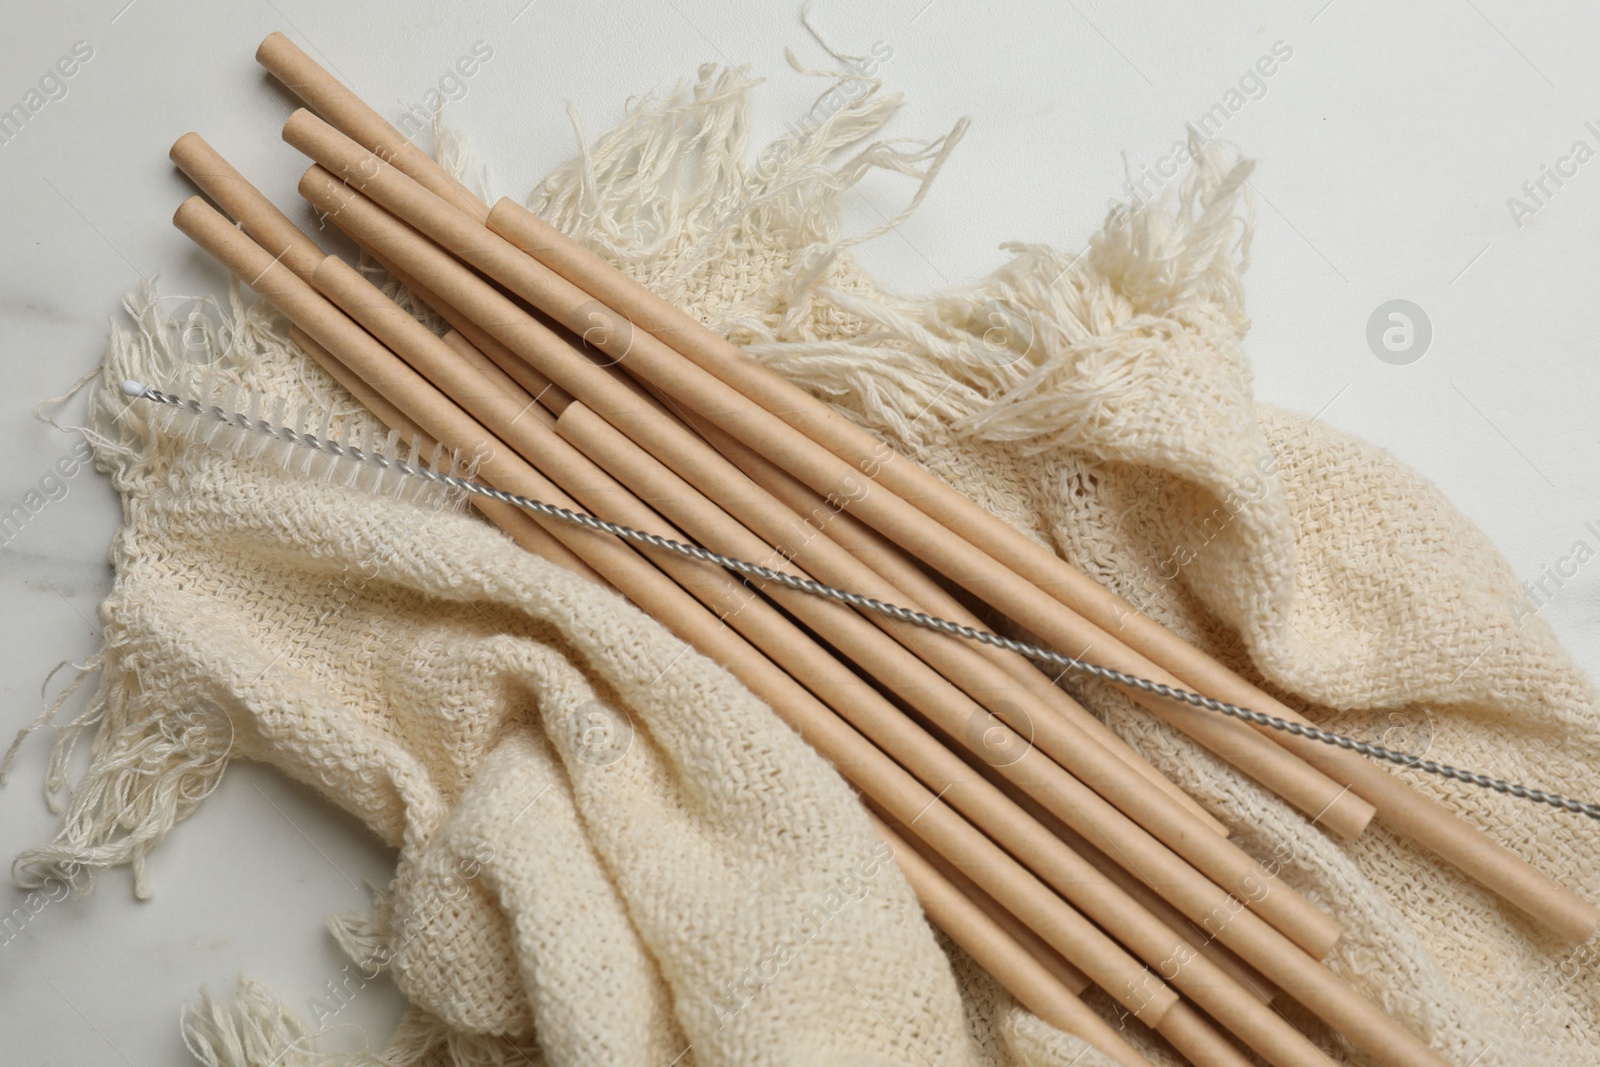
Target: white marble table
[[1392, 140]]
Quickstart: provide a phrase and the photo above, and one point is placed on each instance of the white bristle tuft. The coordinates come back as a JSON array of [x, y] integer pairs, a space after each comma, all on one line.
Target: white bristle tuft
[[302, 424], [259, 441], [170, 420], [375, 476], [204, 429], [277, 452], [390, 447], [350, 470], [183, 423], [414, 458], [210, 429], [327, 464]]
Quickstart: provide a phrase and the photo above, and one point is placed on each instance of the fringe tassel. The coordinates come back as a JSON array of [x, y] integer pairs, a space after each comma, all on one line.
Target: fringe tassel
[[253, 1029]]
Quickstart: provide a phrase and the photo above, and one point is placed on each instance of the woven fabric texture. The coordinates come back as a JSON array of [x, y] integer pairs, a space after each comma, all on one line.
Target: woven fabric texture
[[710, 891]]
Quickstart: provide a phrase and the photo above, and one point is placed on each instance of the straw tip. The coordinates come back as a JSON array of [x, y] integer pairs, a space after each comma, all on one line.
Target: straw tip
[[188, 209], [300, 117], [132, 388], [272, 42], [185, 146], [318, 178]]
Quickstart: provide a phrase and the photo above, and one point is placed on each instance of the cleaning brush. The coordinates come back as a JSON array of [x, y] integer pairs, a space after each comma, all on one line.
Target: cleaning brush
[[336, 458]]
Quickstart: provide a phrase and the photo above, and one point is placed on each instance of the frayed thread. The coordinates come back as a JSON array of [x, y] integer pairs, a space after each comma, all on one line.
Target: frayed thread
[[1044, 351], [669, 190], [254, 1028]]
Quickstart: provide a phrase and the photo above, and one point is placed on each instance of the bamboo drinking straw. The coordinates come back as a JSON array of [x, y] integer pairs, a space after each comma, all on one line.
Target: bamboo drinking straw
[[244, 203], [883, 781], [644, 355], [215, 235], [656, 480], [400, 389], [258, 279], [578, 408], [978, 675], [273, 230], [1109, 906], [1234, 967], [1405, 810], [467, 335], [1262, 1028], [605, 504], [1233, 867], [491, 374], [1214, 1050], [487, 369], [864, 543], [401, 324], [987, 942], [917, 590], [1203, 942]]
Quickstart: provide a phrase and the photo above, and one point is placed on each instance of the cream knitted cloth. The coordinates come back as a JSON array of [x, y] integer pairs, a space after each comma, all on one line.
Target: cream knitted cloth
[[610, 853]]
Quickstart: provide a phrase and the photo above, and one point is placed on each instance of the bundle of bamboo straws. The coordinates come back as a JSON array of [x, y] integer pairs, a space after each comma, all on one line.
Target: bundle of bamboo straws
[[1034, 836]]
